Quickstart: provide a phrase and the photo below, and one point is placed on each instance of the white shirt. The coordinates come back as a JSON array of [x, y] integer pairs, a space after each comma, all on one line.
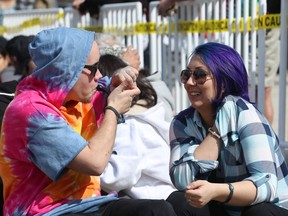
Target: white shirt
[[140, 167]]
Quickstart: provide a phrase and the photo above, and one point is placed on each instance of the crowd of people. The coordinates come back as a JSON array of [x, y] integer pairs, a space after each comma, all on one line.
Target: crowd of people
[[86, 131]]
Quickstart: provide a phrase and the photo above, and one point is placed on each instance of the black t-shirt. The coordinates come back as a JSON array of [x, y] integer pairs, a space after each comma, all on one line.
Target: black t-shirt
[[6, 95], [273, 6]]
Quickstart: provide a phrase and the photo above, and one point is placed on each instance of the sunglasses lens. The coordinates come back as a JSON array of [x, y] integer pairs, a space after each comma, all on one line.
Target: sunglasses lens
[[185, 75], [93, 68], [200, 77]]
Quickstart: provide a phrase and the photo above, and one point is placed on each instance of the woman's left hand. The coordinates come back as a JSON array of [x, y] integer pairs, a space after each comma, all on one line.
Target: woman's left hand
[[199, 193]]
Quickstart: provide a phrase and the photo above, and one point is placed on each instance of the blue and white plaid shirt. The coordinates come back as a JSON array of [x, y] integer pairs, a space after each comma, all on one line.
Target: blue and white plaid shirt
[[250, 151]]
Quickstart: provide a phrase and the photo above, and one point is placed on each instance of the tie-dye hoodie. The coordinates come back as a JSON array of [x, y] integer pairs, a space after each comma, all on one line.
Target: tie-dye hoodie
[[40, 137]]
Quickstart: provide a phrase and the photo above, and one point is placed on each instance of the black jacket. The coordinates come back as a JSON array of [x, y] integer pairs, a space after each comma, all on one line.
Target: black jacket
[[7, 90], [273, 6]]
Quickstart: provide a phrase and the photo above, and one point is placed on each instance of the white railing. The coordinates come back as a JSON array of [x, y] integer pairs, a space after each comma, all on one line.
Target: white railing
[[28, 22], [283, 75], [121, 19]]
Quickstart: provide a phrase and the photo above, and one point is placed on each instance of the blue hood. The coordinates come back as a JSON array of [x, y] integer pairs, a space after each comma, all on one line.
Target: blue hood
[[60, 55]]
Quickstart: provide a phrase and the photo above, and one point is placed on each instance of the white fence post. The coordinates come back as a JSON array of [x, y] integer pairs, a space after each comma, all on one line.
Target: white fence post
[[283, 74]]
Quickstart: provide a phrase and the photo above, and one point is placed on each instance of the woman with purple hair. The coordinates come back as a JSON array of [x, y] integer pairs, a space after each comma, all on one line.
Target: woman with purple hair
[[225, 156]]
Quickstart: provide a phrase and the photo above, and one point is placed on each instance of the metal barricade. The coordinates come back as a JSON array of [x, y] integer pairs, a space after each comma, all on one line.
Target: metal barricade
[[121, 19], [73, 19], [29, 22]]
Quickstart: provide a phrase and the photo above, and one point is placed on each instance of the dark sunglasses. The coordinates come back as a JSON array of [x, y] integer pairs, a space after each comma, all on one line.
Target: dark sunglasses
[[198, 76], [93, 68]]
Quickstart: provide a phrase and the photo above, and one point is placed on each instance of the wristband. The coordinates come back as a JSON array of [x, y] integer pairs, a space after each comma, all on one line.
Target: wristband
[[231, 188], [210, 130], [120, 117]]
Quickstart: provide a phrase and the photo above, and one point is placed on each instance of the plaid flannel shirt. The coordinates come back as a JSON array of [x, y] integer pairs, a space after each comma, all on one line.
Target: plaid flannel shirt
[[250, 151]]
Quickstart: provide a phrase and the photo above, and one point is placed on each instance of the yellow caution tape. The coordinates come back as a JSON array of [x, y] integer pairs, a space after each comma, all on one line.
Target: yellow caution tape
[[3, 29], [39, 21], [269, 21], [183, 26]]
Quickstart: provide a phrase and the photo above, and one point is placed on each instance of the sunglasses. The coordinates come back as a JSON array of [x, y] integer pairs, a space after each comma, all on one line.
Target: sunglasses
[[198, 76], [93, 68]]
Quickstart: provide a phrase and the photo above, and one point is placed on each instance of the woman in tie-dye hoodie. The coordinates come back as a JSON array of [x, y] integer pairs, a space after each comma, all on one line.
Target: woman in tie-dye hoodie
[[52, 151]]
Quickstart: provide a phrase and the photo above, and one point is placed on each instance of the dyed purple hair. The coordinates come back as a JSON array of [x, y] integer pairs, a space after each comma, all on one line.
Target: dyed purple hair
[[227, 67]]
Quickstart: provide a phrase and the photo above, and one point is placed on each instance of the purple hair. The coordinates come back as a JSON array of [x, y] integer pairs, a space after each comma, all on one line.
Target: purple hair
[[227, 66]]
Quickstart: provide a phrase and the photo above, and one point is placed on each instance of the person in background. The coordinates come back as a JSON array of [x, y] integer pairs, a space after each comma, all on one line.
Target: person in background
[[20, 59], [167, 7], [6, 94], [110, 44], [51, 151], [163, 92], [140, 163], [4, 58], [6, 70], [35, 4], [7, 90], [225, 156], [93, 7], [7, 5], [12, 5], [272, 59]]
